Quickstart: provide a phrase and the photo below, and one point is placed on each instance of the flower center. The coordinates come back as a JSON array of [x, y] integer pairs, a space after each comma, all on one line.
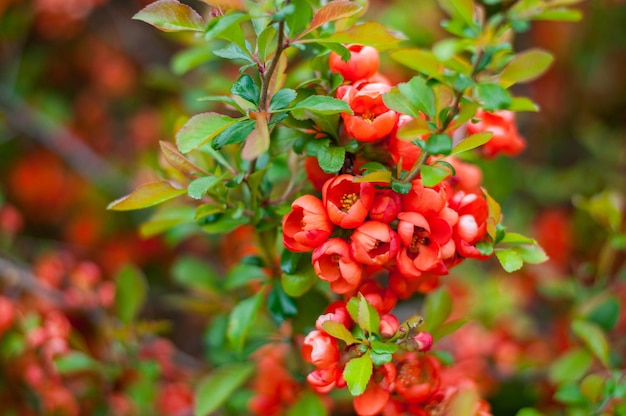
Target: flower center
[[347, 200], [335, 258], [368, 116], [420, 238]]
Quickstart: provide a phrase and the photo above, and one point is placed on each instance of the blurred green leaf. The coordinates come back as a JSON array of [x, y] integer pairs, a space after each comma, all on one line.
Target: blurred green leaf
[[367, 316], [437, 308], [526, 66], [298, 284], [448, 328], [419, 95], [571, 366], [357, 374], [561, 14], [593, 338], [370, 33], [569, 393], [532, 254], [528, 411], [178, 161], [146, 195], [171, 16], [493, 96], [308, 404], [130, 293], [75, 362], [606, 313], [199, 187], [461, 9], [241, 319], [420, 60], [193, 272], [219, 385], [523, 104], [232, 51], [439, 144], [190, 58], [280, 305], [516, 238]]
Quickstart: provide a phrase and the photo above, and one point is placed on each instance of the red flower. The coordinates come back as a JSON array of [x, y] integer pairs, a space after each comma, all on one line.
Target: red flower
[[372, 120], [505, 139], [324, 380], [388, 325], [404, 150], [337, 312], [7, 314], [346, 201], [307, 225], [472, 224], [315, 173], [417, 377], [426, 201], [386, 206], [363, 63], [382, 299], [468, 177], [377, 393], [332, 263], [422, 238], [320, 349], [374, 243]]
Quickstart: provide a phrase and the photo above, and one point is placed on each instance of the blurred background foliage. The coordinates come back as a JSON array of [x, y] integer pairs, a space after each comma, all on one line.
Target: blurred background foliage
[[86, 94]]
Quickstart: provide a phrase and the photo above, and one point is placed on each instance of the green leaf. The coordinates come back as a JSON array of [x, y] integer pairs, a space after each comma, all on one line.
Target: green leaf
[[432, 175], [381, 176], [526, 66], [282, 99], [594, 339], [235, 133], [401, 188], [564, 15], [570, 394], [420, 60], [485, 247], [166, 218], [130, 293], [367, 317], [241, 319], [200, 129], [415, 128], [357, 374], [227, 27], [515, 238], [461, 9], [280, 305], [571, 366], [201, 186], [528, 411], [246, 88], [308, 404], [353, 308], [242, 274], [331, 158], [523, 104], [397, 101], [605, 314], [180, 162], [298, 284], [420, 95], [592, 387], [448, 328], [219, 385], [233, 51], [439, 144], [146, 195], [75, 362], [321, 105], [380, 358], [379, 346], [531, 254], [493, 96], [370, 33], [510, 260], [171, 16], [338, 330], [472, 142], [335, 10], [188, 59], [437, 308]]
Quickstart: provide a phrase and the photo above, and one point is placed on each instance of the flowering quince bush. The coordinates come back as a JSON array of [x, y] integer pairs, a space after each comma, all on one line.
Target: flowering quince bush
[[356, 192]]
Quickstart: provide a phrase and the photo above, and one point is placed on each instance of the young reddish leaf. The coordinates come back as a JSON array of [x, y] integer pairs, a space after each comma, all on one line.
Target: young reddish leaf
[[510, 260], [130, 293], [472, 142], [594, 339], [171, 16], [357, 374], [180, 162], [241, 319], [526, 66], [370, 33], [338, 330], [200, 129], [335, 10], [217, 387], [226, 4], [258, 141], [146, 195]]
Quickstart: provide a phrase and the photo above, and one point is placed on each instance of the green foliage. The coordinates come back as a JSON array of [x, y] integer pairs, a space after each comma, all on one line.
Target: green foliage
[[242, 318], [130, 293], [357, 374], [171, 16], [146, 195], [216, 388]]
